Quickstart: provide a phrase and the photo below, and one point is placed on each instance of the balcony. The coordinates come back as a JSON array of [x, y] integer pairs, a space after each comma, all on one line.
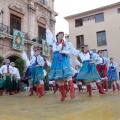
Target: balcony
[[42, 1], [9, 30], [45, 4]]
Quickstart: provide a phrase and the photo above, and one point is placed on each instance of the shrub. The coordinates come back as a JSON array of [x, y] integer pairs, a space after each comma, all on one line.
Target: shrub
[[19, 63]]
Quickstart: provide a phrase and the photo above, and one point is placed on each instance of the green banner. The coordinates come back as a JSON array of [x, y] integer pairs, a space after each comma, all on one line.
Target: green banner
[[18, 40], [45, 48]]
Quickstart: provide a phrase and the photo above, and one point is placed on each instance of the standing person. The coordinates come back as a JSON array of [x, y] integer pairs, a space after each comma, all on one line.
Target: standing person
[[60, 69], [88, 73], [112, 74], [37, 63], [101, 65], [76, 71], [14, 81], [7, 71], [1, 84]]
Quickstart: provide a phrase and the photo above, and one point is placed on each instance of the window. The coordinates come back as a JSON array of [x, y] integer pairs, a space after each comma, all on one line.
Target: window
[[105, 53], [99, 17], [41, 33], [85, 19], [101, 38], [42, 1], [79, 41], [15, 22], [93, 50], [118, 10], [78, 22], [91, 17]]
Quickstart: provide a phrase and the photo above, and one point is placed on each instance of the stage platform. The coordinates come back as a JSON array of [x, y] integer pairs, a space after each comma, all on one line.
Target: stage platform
[[49, 107]]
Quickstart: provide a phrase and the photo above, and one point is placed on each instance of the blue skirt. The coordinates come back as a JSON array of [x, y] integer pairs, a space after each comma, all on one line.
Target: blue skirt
[[88, 72], [112, 75], [36, 74], [60, 68]]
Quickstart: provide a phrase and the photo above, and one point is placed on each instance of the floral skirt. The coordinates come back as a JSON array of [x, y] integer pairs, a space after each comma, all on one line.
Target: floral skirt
[[60, 68], [112, 75], [88, 72], [36, 74]]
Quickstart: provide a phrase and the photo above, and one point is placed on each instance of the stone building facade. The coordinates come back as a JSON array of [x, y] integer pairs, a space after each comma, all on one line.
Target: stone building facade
[[29, 16]]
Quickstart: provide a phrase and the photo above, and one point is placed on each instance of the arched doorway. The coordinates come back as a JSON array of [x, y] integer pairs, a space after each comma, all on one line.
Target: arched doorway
[[13, 58]]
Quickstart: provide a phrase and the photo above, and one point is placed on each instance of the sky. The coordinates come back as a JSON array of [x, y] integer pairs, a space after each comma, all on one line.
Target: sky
[[70, 7]]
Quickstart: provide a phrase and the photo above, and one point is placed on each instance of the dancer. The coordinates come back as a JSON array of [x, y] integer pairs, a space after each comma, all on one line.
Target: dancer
[[6, 71], [60, 69], [15, 78], [76, 71], [37, 63], [112, 74], [101, 65], [2, 81], [88, 73]]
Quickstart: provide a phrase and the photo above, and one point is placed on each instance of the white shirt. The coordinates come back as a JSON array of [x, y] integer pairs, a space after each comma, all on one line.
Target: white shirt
[[40, 59], [4, 69], [45, 73], [16, 72], [76, 71], [73, 71]]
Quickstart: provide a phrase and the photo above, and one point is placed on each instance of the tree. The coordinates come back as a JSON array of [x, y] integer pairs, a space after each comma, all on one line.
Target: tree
[[1, 60], [19, 63]]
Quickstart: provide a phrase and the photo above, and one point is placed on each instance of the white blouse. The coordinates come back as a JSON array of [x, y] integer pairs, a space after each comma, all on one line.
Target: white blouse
[[76, 71], [115, 65], [101, 60], [40, 59], [67, 49], [84, 56]]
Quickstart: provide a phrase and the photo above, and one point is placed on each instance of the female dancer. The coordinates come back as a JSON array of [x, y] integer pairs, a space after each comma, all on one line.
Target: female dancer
[[60, 68], [88, 73], [1, 84], [112, 74], [101, 64], [76, 71], [36, 63]]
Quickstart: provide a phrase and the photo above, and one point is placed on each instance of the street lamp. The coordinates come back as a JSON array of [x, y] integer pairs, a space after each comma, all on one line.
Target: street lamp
[[1, 13]]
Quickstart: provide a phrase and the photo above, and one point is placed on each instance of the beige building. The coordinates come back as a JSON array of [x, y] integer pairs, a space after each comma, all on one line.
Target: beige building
[[99, 28], [29, 16]]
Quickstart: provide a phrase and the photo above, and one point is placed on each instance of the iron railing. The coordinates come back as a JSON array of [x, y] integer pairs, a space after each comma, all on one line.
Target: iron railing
[[45, 3], [9, 30]]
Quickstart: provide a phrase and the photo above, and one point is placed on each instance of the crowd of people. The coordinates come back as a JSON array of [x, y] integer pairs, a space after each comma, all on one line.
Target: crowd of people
[[93, 68], [10, 78]]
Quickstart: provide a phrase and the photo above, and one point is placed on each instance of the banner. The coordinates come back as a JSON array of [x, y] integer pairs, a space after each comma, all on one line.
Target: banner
[[18, 40], [45, 48]]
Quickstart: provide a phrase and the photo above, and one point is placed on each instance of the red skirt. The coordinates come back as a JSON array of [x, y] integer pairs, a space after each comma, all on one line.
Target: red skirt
[[102, 70]]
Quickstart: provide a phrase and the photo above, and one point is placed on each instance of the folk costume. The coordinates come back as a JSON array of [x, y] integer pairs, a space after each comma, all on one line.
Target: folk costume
[[6, 71], [15, 78], [60, 68], [88, 73], [76, 71], [112, 75], [2, 82], [101, 65], [37, 63]]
